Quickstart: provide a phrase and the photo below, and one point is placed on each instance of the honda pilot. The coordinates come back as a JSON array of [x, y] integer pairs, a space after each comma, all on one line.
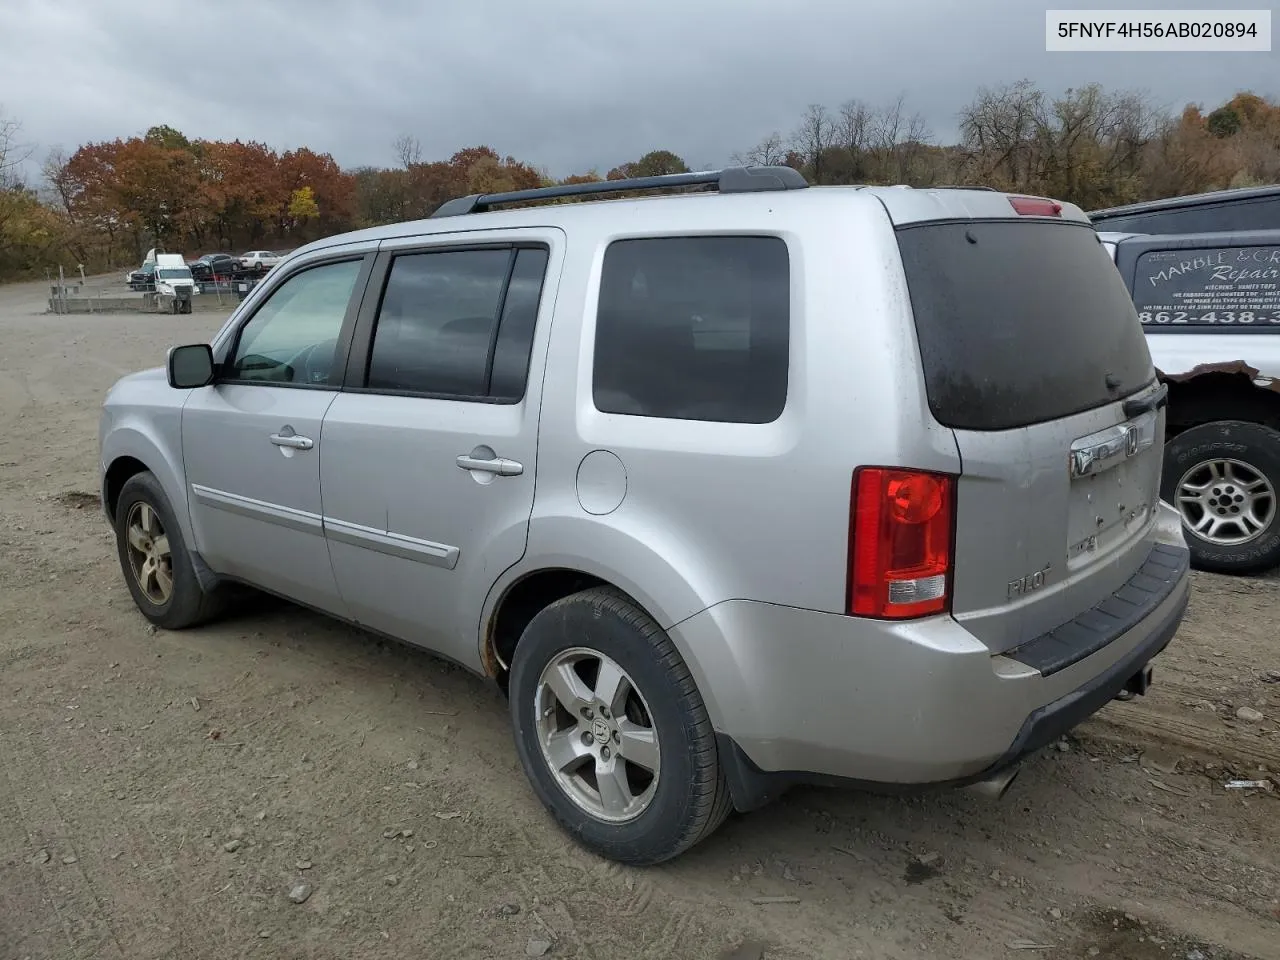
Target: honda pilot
[[740, 486]]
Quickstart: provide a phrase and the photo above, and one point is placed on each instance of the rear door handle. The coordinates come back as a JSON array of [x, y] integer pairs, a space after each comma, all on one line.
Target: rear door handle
[[499, 466], [292, 440]]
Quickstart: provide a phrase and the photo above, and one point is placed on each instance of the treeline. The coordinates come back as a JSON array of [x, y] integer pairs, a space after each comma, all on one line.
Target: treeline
[[1093, 147], [106, 202]]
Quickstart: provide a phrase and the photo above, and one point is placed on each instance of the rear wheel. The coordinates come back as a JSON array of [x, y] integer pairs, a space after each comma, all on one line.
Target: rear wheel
[[611, 730], [1224, 479]]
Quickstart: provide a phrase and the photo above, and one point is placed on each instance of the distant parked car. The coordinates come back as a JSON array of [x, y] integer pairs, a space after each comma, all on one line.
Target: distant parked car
[[259, 260], [144, 278], [214, 265]]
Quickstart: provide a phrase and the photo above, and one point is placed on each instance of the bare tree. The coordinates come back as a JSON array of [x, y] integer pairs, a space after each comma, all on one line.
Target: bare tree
[[13, 153], [813, 137], [853, 129], [408, 150], [769, 152], [853, 135], [999, 135], [896, 140], [54, 171]]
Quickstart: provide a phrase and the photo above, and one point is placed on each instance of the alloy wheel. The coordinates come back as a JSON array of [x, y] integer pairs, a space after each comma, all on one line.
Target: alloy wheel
[[596, 734], [149, 557], [1226, 502]]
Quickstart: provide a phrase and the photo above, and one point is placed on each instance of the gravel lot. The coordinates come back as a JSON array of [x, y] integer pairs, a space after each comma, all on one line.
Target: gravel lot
[[164, 794]]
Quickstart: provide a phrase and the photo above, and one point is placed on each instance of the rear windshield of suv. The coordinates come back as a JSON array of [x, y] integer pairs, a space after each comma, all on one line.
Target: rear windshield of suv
[[1020, 322]]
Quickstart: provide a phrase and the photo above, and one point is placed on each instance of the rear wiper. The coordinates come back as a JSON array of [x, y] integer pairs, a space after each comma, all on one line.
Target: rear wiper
[[1154, 401]]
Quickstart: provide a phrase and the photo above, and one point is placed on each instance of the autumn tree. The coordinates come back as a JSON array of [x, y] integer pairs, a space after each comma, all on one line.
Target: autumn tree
[[332, 190], [160, 187], [1087, 145], [1184, 157], [655, 163], [1223, 122], [243, 189], [167, 137], [29, 230], [302, 206]]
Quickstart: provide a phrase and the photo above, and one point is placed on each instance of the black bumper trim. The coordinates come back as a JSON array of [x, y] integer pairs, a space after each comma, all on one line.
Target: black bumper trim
[[1046, 724], [751, 787], [1115, 616]]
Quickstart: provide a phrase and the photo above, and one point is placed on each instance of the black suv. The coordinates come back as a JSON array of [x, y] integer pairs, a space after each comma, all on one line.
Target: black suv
[[1246, 208]]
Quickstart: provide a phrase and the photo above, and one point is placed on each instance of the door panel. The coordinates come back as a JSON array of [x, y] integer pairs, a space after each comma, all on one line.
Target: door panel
[[416, 540], [255, 505], [450, 369], [251, 442]]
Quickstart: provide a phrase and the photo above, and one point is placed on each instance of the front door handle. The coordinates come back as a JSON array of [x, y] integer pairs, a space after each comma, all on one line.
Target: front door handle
[[499, 466], [292, 440]]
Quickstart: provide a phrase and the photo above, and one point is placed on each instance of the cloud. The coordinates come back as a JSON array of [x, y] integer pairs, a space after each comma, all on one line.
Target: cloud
[[564, 85]]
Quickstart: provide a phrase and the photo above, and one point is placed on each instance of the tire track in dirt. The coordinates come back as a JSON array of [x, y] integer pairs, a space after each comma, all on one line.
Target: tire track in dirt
[[1246, 752], [66, 887]]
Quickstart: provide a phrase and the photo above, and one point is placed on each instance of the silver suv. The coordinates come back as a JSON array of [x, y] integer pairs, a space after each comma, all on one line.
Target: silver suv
[[728, 490]]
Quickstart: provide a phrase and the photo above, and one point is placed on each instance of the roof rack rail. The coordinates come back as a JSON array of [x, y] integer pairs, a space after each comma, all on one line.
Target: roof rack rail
[[728, 180], [961, 186]]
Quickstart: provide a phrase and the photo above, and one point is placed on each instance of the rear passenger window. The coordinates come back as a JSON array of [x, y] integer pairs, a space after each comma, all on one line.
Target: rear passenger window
[[458, 323], [694, 328]]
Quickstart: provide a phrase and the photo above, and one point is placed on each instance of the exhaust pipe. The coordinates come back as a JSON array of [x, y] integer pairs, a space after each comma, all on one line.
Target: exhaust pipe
[[995, 787]]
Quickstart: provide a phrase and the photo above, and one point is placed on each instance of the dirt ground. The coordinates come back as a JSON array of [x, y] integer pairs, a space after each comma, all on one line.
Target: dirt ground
[[162, 793]]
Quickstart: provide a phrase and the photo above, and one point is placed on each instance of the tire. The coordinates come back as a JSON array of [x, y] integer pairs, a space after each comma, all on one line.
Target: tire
[[1226, 474], [186, 603], [687, 799]]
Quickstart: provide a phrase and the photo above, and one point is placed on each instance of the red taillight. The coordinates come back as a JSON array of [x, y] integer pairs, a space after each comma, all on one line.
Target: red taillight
[[899, 543], [1035, 207]]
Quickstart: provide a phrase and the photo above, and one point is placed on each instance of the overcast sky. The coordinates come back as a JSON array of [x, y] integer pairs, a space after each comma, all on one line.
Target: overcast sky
[[564, 84]]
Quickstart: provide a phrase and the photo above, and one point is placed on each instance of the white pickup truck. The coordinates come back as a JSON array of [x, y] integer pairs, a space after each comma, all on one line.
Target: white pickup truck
[[1210, 304]]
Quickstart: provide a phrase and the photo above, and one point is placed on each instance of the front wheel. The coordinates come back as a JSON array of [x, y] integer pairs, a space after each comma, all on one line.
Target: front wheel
[[154, 559], [1224, 477], [612, 732]]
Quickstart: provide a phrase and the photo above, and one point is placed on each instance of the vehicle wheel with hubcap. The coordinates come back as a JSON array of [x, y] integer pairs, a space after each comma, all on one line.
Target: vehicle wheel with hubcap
[[1224, 477], [612, 732], [154, 558]]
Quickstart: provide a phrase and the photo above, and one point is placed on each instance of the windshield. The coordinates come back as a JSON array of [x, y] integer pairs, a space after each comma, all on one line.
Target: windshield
[[174, 273]]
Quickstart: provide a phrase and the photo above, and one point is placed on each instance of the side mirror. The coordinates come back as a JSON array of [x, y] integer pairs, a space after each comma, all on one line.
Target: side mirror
[[190, 366]]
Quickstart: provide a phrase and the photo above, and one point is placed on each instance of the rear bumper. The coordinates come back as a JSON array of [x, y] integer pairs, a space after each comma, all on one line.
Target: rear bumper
[[803, 696], [1049, 722]]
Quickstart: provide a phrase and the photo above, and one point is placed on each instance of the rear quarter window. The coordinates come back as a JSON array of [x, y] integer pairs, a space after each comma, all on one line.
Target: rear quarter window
[[694, 328], [1208, 287], [1020, 322]]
